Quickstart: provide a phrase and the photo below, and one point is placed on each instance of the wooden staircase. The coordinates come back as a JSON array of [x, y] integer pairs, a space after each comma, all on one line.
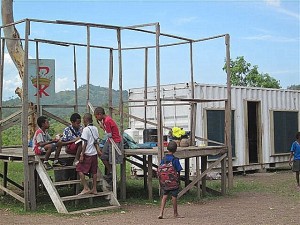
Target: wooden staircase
[[58, 200]]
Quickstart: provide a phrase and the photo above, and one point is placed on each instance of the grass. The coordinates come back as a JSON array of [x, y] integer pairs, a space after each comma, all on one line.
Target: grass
[[137, 195]]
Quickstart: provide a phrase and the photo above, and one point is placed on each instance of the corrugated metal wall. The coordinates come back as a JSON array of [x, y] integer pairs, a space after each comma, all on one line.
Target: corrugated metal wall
[[268, 100]]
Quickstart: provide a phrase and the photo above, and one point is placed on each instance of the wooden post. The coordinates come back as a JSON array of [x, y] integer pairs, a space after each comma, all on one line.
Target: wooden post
[[37, 66], [123, 171], [2, 43], [197, 174], [150, 175], [88, 68], [223, 176], [75, 78], [24, 119], [228, 114], [145, 116], [203, 169], [187, 171], [111, 75], [159, 108]]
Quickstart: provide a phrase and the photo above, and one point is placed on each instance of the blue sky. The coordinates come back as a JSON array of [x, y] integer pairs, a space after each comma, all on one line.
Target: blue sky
[[266, 33]]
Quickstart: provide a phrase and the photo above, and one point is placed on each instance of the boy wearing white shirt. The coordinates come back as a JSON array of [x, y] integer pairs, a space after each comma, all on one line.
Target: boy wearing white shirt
[[88, 162]]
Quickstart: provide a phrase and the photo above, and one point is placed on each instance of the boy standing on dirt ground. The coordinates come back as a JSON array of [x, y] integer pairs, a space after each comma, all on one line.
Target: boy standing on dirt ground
[[88, 161], [112, 131], [44, 145], [295, 153], [71, 134], [169, 157]]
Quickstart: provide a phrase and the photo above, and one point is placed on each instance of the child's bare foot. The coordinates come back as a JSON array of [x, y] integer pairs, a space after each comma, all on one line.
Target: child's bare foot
[[85, 191], [94, 192], [160, 217]]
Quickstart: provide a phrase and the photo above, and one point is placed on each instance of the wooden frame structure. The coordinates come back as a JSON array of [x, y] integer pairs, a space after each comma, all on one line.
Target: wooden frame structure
[[28, 196]]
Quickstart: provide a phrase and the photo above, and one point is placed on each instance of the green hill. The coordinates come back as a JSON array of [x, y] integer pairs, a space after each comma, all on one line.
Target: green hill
[[98, 97]]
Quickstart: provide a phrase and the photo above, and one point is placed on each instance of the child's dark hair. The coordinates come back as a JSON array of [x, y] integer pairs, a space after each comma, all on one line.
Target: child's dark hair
[[41, 120], [88, 117], [172, 146], [298, 135], [74, 117]]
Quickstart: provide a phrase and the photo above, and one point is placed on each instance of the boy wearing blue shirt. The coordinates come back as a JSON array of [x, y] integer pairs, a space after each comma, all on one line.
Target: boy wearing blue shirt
[[169, 157], [295, 153]]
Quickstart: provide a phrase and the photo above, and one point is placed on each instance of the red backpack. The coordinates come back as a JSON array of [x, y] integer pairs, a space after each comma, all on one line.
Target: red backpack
[[167, 175]]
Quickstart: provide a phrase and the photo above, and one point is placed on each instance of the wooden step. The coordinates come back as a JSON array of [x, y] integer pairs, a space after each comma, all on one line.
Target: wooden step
[[64, 167], [67, 182], [95, 209], [76, 197]]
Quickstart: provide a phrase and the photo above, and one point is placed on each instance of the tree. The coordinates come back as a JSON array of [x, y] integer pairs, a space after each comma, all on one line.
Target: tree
[[16, 52], [294, 87], [242, 74]]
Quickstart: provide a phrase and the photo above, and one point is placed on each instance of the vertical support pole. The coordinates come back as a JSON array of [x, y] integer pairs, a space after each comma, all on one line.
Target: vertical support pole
[[121, 111], [193, 105], [203, 168], [88, 67], [37, 70], [24, 119], [2, 43], [146, 87], [32, 190], [159, 108], [150, 188], [187, 171], [145, 117], [75, 79], [5, 169], [223, 176], [145, 172], [228, 114], [111, 75], [114, 169], [198, 174]]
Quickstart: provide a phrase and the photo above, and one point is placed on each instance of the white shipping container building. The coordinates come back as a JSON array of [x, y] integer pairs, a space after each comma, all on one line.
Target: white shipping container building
[[264, 121]]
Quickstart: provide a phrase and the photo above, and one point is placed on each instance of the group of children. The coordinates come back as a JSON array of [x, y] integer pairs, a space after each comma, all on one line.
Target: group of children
[[82, 142]]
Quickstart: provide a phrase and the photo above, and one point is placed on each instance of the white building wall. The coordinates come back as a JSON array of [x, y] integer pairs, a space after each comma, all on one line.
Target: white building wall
[[269, 99]]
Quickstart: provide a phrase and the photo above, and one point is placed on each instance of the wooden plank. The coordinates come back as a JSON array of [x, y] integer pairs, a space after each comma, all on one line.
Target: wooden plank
[[76, 197], [46, 113], [12, 182], [95, 209], [13, 194], [59, 205], [197, 179], [67, 182], [64, 168], [12, 116]]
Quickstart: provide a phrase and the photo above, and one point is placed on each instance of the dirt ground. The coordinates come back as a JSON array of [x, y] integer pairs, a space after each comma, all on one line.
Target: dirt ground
[[242, 208]]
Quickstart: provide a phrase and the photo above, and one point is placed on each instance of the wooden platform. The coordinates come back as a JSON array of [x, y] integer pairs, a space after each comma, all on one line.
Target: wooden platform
[[35, 164], [146, 156], [146, 161]]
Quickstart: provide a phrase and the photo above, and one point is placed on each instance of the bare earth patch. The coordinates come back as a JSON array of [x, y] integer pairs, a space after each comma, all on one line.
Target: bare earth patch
[[242, 208]]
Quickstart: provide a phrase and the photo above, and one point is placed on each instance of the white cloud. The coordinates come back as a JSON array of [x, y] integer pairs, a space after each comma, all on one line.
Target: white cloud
[[62, 84], [276, 4], [185, 20], [268, 37]]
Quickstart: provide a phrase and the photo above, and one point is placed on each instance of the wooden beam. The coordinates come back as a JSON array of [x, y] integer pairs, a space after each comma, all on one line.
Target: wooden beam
[[198, 178], [46, 113], [13, 194]]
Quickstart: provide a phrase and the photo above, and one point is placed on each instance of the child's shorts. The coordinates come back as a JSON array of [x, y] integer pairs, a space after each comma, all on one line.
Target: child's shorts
[[174, 193], [107, 153], [296, 165], [43, 150]]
